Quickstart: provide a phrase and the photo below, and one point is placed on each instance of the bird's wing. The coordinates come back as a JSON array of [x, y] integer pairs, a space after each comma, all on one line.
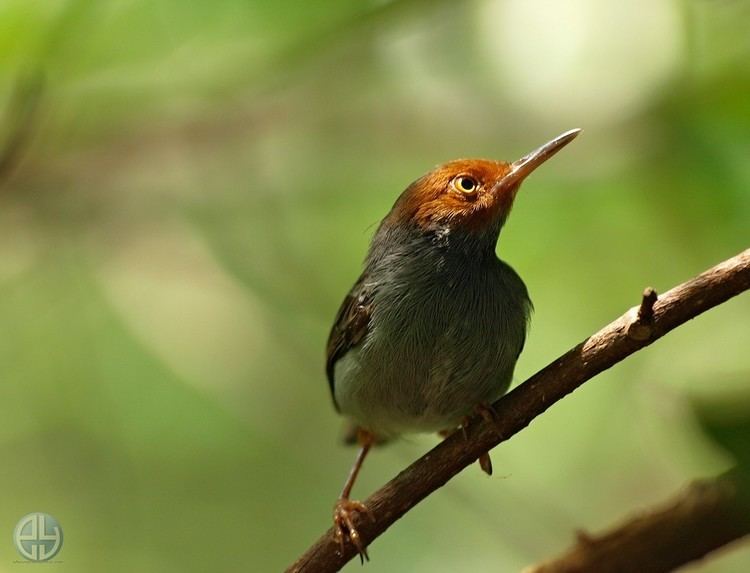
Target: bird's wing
[[350, 326]]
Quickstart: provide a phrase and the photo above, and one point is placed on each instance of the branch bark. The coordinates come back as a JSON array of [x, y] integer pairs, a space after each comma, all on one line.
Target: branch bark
[[705, 517], [616, 341]]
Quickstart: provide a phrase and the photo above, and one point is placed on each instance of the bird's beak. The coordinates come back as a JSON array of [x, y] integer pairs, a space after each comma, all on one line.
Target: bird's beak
[[520, 169]]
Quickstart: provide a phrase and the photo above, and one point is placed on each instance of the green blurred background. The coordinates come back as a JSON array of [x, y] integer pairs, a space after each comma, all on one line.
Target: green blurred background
[[187, 190]]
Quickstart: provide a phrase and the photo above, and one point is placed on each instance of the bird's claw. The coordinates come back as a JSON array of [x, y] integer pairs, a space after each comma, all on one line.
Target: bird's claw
[[344, 528], [489, 415], [485, 463]]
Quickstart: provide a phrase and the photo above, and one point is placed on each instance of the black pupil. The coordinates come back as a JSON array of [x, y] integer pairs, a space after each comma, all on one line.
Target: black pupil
[[466, 183]]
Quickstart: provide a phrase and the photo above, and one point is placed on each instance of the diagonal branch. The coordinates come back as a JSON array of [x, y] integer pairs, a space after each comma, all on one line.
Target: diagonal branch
[[518, 408], [705, 517]]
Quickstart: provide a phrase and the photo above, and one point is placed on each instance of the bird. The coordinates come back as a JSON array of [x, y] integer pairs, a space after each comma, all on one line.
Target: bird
[[431, 330]]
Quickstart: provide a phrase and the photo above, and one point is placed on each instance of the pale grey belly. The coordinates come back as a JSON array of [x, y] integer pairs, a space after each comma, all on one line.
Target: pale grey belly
[[439, 344], [399, 385]]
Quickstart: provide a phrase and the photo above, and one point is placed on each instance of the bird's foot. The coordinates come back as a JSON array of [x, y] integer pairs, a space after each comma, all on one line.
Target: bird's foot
[[344, 528], [489, 415], [462, 426]]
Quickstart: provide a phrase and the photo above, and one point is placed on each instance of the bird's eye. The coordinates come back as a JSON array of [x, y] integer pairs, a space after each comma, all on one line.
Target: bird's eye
[[465, 184]]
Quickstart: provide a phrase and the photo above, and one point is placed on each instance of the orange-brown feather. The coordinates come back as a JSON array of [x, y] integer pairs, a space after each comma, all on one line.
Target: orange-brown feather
[[432, 199]]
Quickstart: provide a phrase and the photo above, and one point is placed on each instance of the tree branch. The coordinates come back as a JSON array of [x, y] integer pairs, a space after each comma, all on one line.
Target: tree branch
[[703, 518], [519, 407]]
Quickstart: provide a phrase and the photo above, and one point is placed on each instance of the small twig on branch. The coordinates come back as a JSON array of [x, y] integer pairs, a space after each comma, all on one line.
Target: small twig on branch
[[642, 327], [528, 400], [702, 519], [646, 310]]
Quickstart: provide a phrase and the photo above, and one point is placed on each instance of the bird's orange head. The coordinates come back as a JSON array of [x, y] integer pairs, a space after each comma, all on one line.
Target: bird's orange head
[[473, 195]]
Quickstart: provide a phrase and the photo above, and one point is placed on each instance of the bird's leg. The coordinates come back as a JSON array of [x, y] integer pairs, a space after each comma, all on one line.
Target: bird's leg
[[484, 460], [489, 414], [446, 433], [464, 426], [345, 508]]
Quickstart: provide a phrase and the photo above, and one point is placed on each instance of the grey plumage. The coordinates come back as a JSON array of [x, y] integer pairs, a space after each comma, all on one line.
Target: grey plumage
[[447, 321]]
